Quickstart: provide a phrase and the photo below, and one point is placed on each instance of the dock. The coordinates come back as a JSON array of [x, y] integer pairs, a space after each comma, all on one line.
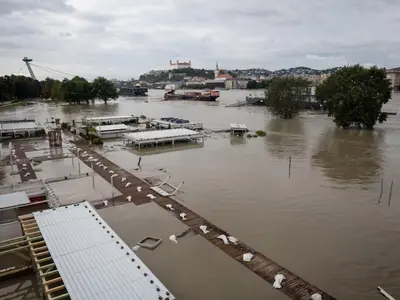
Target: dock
[[293, 286], [113, 131], [162, 137], [25, 169], [20, 128], [109, 120]]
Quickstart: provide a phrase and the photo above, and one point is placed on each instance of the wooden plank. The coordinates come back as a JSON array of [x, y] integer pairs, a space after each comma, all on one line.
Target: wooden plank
[[51, 281], [55, 289]]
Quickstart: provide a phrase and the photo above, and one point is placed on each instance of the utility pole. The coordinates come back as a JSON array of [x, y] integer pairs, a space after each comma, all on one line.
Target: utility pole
[[27, 61]]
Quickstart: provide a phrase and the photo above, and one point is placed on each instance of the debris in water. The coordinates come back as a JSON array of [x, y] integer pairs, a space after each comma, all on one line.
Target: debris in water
[[128, 184], [233, 240], [278, 281], [173, 239], [316, 296], [183, 216], [204, 229], [223, 238], [123, 179], [129, 198], [247, 257], [169, 206], [139, 189], [384, 293], [105, 203]]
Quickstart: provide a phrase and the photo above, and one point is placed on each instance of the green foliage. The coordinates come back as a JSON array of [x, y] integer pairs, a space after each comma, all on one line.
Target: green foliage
[[98, 141], [355, 95], [51, 89], [260, 133], [77, 89], [104, 89], [263, 84], [19, 88], [285, 96], [198, 86]]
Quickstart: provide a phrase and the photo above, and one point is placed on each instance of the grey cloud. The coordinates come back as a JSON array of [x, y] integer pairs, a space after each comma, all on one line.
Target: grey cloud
[[9, 6]]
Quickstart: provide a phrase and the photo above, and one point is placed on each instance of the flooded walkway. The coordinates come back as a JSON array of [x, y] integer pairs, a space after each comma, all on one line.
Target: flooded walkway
[[292, 285]]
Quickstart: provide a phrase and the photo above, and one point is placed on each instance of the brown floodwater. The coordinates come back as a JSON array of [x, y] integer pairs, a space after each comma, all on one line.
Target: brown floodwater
[[324, 222]]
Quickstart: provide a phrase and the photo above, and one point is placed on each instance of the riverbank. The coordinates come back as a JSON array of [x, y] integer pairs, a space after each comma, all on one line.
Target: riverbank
[[16, 104]]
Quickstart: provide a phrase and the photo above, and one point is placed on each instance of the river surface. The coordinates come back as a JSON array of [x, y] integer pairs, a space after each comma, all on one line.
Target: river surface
[[324, 222]]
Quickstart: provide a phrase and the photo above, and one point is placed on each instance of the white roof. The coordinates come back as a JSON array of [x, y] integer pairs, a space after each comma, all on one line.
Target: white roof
[[238, 126], [161, 134], [108, 118], [93, 262], [111, 127], [13, 199], [18, 125]]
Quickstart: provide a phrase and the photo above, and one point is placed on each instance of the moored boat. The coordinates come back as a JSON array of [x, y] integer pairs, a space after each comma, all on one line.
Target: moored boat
[[211, 95]]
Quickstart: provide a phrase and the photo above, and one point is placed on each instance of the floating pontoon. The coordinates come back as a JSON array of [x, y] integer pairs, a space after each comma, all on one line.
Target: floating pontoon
[[113, 131], [158, 137], [109, 120], [171, 123], [15, 129]]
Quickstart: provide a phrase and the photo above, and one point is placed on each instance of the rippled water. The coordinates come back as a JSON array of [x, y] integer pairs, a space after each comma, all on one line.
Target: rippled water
[[323, 222]]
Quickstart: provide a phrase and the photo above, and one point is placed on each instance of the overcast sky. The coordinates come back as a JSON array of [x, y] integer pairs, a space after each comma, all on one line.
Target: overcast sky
[[125, 38]]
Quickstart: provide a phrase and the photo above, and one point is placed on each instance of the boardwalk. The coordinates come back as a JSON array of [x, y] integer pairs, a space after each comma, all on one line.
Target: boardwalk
[[293, 286], [24, 167]]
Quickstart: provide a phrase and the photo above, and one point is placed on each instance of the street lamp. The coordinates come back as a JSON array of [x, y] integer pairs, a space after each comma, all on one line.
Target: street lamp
[[79, 164]]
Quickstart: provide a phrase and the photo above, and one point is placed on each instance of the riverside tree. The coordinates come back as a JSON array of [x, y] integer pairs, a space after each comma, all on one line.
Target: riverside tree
[[285, 96], [355, 95], [104, 89]]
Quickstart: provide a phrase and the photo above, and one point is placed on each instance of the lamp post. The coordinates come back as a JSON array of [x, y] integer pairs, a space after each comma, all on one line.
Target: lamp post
[[112, 187], [91, 164]]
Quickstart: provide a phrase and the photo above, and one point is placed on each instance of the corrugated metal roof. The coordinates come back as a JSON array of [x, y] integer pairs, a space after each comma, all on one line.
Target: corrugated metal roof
[[92, 260], [108, 118], [161, 134], [111, 127], [13, 199]]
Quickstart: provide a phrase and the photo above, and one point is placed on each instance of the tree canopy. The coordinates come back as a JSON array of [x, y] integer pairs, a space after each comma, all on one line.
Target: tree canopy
[[104, 89], [19, 88], [355, 95], [285, 96]]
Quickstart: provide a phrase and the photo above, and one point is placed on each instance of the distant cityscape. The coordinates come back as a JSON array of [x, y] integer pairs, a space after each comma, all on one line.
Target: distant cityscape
[[181, 75]]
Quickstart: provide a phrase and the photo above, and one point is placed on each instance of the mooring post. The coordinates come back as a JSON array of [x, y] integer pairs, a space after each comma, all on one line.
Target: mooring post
[[112, 187], [290, 164], [140, 160], [390, 193], [380, 196], [79, 164]]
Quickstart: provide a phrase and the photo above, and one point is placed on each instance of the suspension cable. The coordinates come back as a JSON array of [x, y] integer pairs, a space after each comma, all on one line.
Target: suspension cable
[[65, 73], [54, 73]]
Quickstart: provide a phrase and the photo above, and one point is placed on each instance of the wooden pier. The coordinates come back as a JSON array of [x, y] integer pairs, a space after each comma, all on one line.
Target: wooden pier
[[25, 168], [293, 286]]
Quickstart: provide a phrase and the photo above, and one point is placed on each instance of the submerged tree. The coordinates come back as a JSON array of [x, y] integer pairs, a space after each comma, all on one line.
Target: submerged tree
[[77, 89], [355, 96], [285, 96], [104, 89]]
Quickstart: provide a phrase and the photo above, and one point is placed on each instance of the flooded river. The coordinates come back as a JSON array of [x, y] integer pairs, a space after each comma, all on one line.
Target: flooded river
[[323, 222]]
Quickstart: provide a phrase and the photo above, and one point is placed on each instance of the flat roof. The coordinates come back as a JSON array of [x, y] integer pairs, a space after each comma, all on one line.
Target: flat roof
[[162, 134], [107, 118], [238, 126], [18, 125], [13, 199], [111, 127], [92, 260]]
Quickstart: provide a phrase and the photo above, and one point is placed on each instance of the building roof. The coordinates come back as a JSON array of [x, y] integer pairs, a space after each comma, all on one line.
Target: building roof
[[93, 262], [13, 200], [162, 134], [111, 127], [238, 126], [107, 118], [18, 126]]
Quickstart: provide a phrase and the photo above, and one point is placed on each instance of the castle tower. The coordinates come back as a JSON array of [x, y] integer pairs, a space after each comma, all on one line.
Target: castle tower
[[216, 72]]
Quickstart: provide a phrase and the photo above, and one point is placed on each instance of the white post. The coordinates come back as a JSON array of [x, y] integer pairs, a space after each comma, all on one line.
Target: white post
[[91, 164], [79, 164], [11, 162]]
